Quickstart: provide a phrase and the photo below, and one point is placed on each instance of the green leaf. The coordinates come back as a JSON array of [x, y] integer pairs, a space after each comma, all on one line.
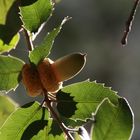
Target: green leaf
[[34, 13], [43, 50], [113, 122], [55, 133], [80, 100], [10, 68], [10, 22], [41, 135], [7, 106], [31, 122], [24, 123], [7, 47], [5, 6]]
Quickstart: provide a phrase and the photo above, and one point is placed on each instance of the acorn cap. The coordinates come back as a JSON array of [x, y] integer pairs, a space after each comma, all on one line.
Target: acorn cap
[[68, 66]]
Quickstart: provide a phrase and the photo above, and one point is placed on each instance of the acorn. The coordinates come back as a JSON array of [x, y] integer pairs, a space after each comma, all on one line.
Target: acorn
[[31, 80], [52, 74], [68, 66], [47, 76]]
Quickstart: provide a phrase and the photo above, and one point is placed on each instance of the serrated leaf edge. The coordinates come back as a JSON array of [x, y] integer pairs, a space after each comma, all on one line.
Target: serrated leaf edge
[[41, 26], [92, 114], [95, 81]]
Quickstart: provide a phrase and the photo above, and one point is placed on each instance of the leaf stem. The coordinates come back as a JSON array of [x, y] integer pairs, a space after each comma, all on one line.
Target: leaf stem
[[129, 23], [54, 114], [28, 40]]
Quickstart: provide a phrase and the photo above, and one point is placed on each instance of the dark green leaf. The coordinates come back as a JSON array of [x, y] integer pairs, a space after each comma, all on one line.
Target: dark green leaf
[[34, 13], [7, 106], [80, 100], [113, 122], [43, 50], [10, 68], [9, 22]]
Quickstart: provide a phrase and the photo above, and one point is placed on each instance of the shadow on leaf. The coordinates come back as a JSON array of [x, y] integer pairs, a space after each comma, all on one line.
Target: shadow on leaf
[[34, 127], [66, 105], [55, 129], [27, 2], [13, 24], [28, 105]]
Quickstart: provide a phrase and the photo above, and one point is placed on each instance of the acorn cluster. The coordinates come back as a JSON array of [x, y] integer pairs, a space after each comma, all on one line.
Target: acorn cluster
[[49, 75]]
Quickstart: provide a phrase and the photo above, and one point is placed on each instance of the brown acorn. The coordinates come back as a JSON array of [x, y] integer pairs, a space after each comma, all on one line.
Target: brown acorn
[[31, 80], [47, 76], [68, 66]]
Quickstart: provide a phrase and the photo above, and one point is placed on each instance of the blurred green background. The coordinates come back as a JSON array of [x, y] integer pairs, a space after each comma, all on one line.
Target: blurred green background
[[96, 28]]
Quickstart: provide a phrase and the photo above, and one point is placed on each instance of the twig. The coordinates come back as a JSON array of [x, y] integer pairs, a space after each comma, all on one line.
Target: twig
[[48, 103], [28, 40], [129, 23]]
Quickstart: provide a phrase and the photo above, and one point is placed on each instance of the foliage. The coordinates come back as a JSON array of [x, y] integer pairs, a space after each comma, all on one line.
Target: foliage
[[10, 68], [43, 50], [118, 118], [7, 106], [10, 24], [73, 106], [33, 15]]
